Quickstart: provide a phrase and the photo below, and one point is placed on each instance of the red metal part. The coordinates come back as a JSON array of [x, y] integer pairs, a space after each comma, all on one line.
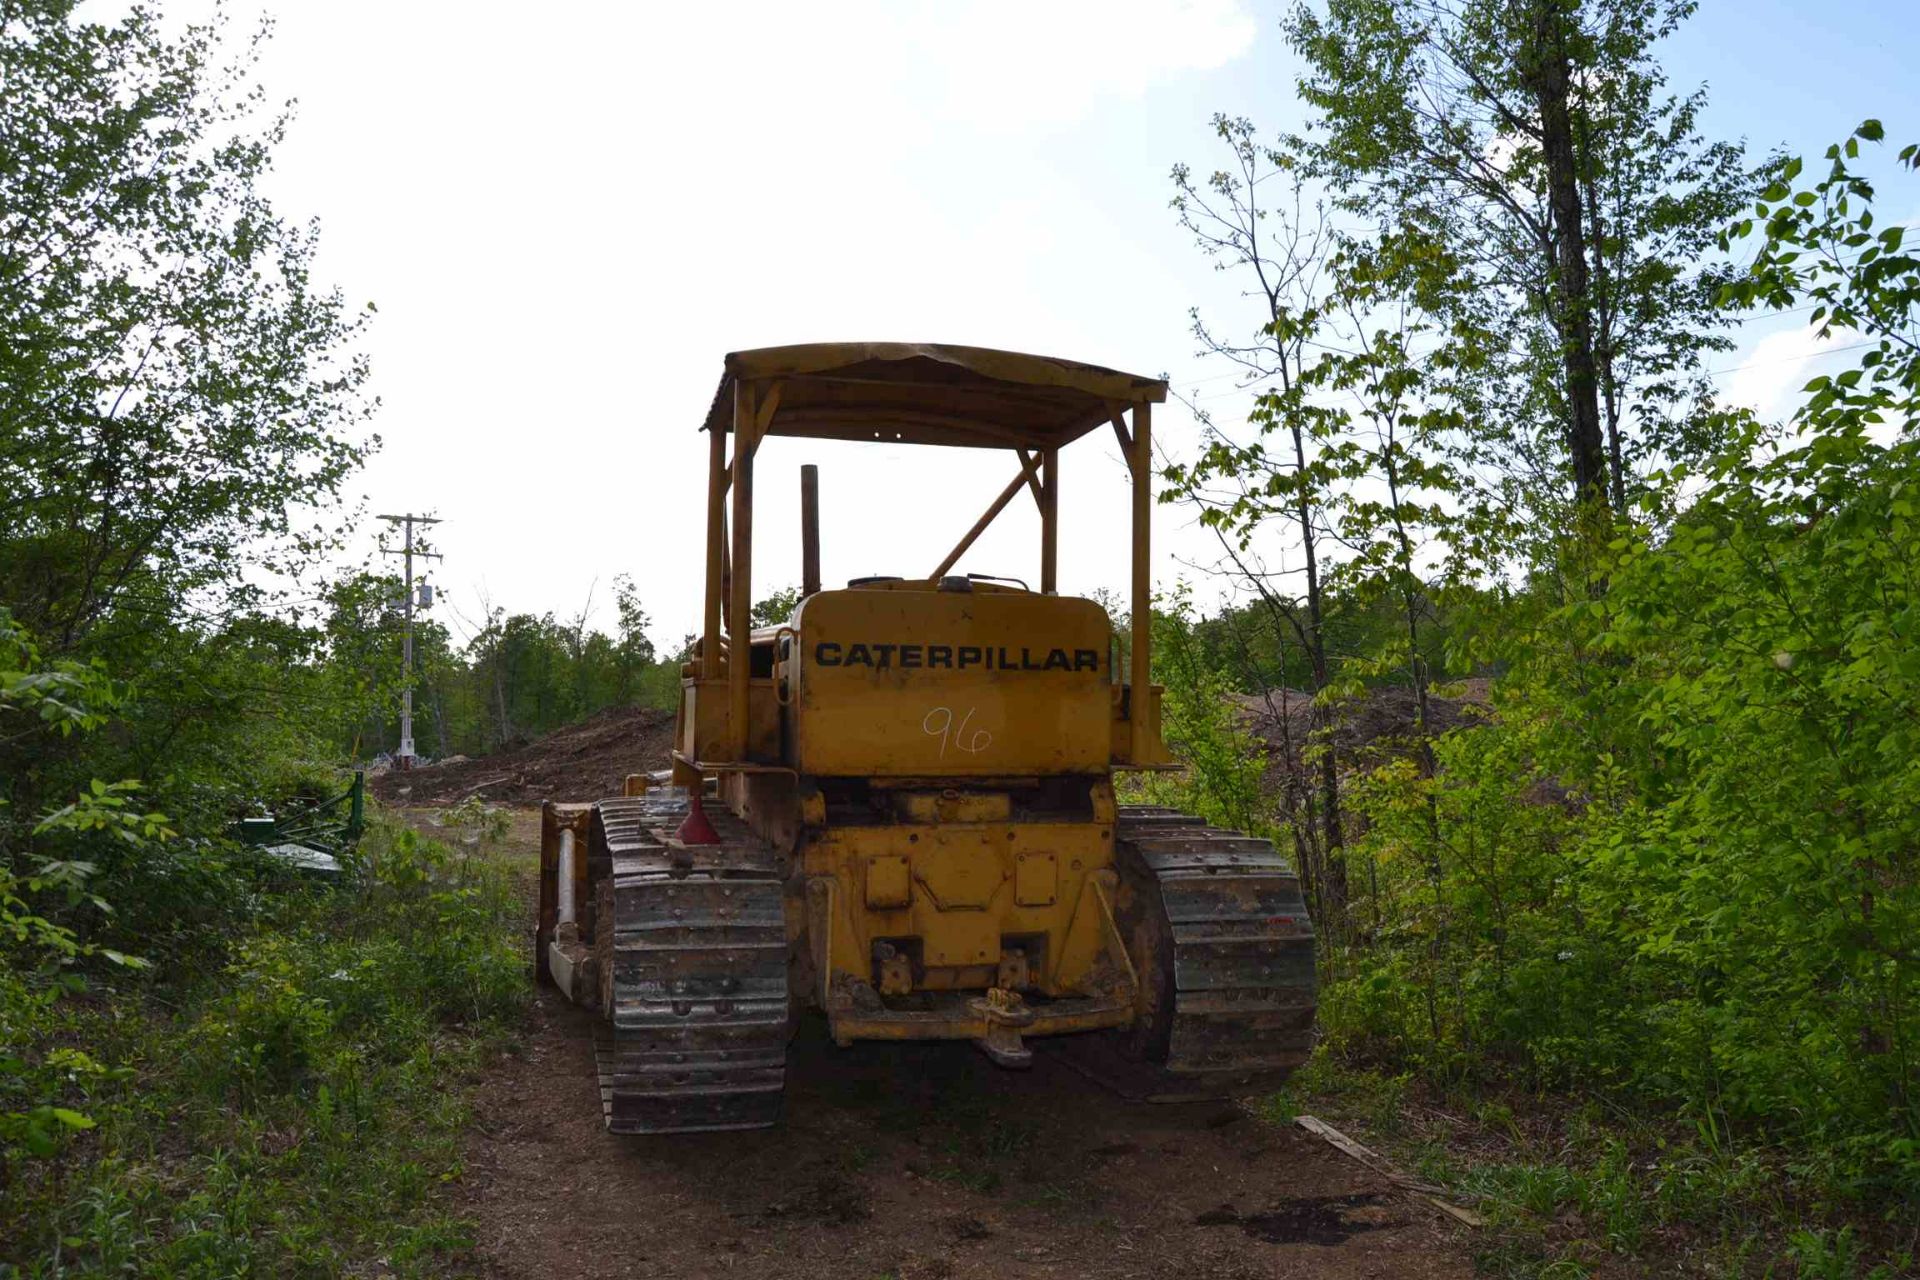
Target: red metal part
[[694, 828]]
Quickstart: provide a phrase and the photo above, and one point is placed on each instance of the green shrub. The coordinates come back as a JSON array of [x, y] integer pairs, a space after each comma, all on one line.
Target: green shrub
[[297, 1110]]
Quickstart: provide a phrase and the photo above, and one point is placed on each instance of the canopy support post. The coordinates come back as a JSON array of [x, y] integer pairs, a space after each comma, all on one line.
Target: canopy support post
[[1050, 521], [740, 623], [716, 552], [1142, 620]]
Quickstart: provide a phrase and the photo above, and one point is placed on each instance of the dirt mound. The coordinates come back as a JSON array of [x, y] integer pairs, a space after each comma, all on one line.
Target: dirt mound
[[1366, 729], [585, 761]]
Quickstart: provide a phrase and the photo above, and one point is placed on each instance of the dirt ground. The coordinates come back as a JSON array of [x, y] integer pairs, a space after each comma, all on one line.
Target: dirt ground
[[920, 1162], [580, 762]]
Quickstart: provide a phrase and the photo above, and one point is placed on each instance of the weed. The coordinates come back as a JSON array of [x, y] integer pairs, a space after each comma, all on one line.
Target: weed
[[296, 1112], [1279, 1109], [1577, 1191], [1049, 1195], [1839, 1255], [481, 825]]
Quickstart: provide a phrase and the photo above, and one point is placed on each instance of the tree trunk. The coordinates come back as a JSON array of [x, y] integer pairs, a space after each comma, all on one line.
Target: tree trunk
[[1299, 788], [500, 700], [1573, 318], [1333, 840], [1605, 318]]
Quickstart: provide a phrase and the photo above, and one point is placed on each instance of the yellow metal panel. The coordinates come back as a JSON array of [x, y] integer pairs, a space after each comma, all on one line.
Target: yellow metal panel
[[1035, 879], [704, 716], [889, 885], [964, 937], [960, 867], [953, 806], [1123, 739], [926, 683], [963, 899]]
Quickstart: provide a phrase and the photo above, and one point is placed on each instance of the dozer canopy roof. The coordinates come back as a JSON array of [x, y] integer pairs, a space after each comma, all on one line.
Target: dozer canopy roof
[[928, 393]]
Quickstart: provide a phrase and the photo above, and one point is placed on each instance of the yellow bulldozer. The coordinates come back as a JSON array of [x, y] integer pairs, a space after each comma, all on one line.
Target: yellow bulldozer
[[897, 808]]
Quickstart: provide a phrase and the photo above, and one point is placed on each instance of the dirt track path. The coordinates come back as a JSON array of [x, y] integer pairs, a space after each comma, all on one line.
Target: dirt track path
[[920, 1162]]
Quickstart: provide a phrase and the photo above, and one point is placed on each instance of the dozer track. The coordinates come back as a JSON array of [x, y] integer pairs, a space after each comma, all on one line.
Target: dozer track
[[692, 950], [1230, 990]]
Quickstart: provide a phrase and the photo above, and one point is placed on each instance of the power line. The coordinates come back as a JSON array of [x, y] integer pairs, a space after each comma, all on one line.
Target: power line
[[1805, 355], [1705, 373], [1749, 318]]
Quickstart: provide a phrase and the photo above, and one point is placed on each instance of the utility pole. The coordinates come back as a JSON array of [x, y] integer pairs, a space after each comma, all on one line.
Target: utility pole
[[404, 757]]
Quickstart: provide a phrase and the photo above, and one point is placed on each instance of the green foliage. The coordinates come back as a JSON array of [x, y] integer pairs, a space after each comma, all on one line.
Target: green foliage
[[517, 676], [45, 895], [163, 337], [1674, 869], [64, 696], [480, 824], [633, 651], [178, 399], [201, 1061], [777, 608], [253, 1127], [1757, 811], [1448, 124], [1819, 247], [360, 665], [1722, 917], [1203, 726], [1839, 1255]]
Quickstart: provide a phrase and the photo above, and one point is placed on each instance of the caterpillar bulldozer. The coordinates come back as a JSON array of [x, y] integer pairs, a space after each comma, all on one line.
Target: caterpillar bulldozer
[[898, 808]]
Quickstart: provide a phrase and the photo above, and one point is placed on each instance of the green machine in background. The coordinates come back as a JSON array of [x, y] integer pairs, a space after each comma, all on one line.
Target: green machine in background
[[311, 838]]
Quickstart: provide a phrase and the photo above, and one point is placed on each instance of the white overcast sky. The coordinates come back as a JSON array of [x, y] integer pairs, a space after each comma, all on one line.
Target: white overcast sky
[[567, 214]]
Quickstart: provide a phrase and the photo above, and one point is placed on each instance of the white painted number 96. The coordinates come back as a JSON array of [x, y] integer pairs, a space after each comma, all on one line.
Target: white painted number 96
[[939, 723]]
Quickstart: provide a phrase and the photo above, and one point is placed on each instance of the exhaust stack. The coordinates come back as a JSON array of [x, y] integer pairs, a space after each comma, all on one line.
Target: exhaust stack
[[809, 530]]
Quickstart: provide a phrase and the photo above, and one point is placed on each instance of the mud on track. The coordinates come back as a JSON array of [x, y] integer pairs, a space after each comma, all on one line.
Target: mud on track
[[920, 1162]]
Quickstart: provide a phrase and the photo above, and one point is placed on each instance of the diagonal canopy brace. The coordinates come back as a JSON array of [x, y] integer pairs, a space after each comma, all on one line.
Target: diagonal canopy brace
[[1029, 475], [1033, 480]]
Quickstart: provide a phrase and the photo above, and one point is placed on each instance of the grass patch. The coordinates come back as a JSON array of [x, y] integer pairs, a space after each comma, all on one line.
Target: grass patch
[[1572, 1187], [981, 1156], [294, 1113]]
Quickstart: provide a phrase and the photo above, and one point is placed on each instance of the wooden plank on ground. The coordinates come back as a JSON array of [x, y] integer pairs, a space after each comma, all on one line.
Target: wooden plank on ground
[[1385, 1168]]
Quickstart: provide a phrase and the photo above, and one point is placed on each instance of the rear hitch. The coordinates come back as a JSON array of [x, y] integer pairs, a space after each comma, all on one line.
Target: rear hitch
[[1005, 1014]]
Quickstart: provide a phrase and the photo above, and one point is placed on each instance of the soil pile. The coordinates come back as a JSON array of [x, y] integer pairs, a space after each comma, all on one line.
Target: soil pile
[[585, 761], [1366, 730]]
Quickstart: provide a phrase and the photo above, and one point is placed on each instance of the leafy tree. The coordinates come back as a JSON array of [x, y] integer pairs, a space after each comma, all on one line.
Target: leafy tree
[[1722, 913], [1387, 441], [1204, 726], [45, 890], [777, 608], [173, 387], [1820, 247], [363, 655], [633, 649], [175, 392], [1349, 451], [1243, 483], [1675, 867], [1535, 142]]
